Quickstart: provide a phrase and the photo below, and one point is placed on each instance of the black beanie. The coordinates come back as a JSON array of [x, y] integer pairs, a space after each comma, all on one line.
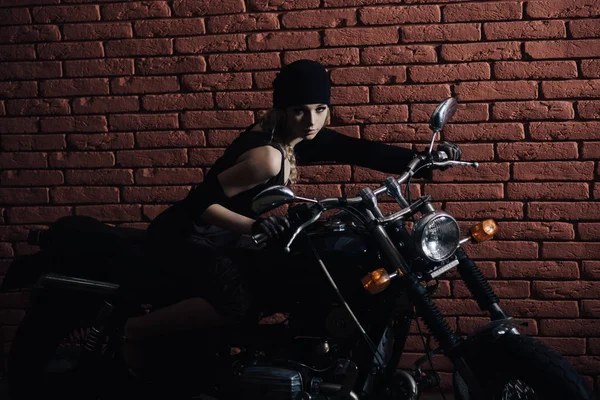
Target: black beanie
[[301, 82]]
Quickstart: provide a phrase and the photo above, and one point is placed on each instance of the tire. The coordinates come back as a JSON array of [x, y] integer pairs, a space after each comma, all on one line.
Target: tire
[[45, 353], [521, 367]]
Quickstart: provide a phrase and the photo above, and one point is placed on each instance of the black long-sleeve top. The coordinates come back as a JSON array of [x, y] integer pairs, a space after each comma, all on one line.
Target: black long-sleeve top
[[329, 145]]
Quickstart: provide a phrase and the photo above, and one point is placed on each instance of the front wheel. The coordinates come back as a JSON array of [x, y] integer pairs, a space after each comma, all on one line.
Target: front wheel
[[516, 367]]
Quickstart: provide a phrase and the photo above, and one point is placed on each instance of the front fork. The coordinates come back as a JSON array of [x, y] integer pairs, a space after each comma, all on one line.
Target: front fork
[[487, 300], [479, 286], [430, 314], [470, 273]]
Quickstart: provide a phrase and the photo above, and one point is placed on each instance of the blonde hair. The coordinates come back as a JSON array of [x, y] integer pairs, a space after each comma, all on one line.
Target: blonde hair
[[274, 122]]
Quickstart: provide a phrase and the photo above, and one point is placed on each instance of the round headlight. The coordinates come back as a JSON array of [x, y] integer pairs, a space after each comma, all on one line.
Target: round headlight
[[437, 236]]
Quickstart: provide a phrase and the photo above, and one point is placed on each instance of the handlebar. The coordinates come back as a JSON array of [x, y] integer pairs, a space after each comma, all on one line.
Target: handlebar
[[329, 203]]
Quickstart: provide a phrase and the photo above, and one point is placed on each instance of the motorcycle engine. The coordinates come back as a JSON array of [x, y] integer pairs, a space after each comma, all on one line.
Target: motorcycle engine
[[270, 383]]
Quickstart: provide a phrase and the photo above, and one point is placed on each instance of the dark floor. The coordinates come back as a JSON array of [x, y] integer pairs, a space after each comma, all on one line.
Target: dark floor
[[3, 389], [4, 393]]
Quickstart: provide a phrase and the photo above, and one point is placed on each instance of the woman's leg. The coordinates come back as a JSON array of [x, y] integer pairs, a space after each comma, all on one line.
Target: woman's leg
[[211, 294], [184, 276], [187, 315], [190, 314]]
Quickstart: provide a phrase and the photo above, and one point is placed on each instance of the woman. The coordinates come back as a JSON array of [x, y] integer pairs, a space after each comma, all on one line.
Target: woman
[[213, 223]]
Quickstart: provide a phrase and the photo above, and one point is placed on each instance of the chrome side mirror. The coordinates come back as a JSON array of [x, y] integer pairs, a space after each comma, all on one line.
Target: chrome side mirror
[[440, 116], [273, 197]]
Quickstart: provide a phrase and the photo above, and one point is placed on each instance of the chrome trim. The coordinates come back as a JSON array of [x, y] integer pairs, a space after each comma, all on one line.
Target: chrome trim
[[443, 269], [464, 240], [333, 388], [53, 280]]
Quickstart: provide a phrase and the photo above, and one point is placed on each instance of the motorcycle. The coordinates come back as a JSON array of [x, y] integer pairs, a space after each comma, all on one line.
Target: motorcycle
[[355, 282]]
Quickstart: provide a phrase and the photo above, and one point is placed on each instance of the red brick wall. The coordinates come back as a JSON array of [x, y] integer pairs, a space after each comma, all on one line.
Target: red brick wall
[[114, 109]]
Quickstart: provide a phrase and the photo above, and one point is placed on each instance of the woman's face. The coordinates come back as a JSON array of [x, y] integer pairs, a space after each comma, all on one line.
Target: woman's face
[[307, 120]]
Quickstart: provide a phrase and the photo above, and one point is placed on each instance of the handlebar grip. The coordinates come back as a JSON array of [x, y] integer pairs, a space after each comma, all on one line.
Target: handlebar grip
[[260, 238]]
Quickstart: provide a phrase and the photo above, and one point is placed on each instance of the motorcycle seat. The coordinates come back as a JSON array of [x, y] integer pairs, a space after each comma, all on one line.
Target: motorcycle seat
[[89, 247], [79, 227]]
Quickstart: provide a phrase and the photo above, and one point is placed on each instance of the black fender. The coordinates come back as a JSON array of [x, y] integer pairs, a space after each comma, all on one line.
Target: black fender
[[488, 332], [497, 327]]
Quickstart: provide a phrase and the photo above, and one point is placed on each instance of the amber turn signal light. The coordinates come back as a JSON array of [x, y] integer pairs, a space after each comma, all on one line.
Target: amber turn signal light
[[484, 230], [376, 281]]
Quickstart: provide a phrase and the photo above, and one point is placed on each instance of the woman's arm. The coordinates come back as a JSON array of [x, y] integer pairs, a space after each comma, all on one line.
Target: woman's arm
[[254, 167], [330, 145]]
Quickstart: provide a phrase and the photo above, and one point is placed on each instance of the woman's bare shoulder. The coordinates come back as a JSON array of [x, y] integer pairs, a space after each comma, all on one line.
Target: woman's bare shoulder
[[257, 151], [266, 158]]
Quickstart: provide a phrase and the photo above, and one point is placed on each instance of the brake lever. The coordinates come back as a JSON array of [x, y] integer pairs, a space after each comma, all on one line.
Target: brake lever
[[452, 162]]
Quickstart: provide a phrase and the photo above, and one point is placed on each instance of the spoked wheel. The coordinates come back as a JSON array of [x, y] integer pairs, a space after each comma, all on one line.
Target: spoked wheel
[[45, 359], [66, 358], [64, 369], [518, 390], [518, 367], [515, 389]]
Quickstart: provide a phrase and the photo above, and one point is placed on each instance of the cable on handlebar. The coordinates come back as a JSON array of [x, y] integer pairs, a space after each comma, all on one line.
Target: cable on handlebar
[[356, 215], [408, 185]]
